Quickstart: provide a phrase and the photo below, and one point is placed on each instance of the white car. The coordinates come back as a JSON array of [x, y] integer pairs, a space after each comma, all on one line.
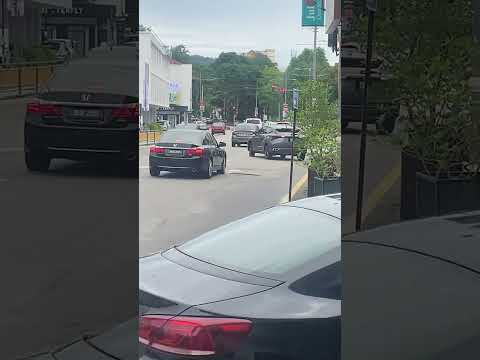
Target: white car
[[255, 121]]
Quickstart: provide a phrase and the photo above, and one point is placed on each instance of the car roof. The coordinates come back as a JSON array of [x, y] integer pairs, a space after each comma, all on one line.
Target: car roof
[[326, 204], [452, 238]]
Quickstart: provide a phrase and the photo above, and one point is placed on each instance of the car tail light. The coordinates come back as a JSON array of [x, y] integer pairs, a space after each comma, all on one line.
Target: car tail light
[[129, 113], [44, 109], [157, 150], [197, 151], [201, 336]]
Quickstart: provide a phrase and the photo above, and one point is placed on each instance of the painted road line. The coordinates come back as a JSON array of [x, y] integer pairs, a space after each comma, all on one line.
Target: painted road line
[[379, 192], [296, 188]]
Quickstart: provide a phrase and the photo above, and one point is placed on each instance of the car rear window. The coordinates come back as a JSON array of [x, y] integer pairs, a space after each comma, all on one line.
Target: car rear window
[[182, 137], [271, 242], [218, 124], [99, 74], [246, 127], [253, 121]]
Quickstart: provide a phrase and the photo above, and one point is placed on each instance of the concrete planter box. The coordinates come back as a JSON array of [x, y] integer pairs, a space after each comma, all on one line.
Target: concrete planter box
[[318, 186], [436, 197]]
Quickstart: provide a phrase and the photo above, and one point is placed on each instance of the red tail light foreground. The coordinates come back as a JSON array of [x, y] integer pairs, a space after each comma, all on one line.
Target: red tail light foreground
[[130, 113], [44, 109], [200, 336], [157, 150], [198, 151]]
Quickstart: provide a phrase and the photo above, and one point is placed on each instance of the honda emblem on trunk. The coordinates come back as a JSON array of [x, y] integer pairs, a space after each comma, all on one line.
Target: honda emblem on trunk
[[86, 97]]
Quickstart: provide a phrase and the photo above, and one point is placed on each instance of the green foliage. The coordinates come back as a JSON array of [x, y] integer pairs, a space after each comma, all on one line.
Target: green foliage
[[155, 127], [427, 48], [318, 119], [38, 53]]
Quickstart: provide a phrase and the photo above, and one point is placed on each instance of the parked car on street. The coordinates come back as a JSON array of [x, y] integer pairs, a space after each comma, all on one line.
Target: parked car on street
[[247, 290], [276, 141], [188, 149], [219, 128], [84, 114], [242, 133], [254, 121]]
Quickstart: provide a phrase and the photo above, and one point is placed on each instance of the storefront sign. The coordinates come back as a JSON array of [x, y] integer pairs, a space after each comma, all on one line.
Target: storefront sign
[[74, 11]]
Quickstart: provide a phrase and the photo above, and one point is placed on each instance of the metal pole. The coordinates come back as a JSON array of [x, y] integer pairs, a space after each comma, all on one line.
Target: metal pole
[[363, 140], [4, 58], [36, 79], [291, 156], [315, 31]]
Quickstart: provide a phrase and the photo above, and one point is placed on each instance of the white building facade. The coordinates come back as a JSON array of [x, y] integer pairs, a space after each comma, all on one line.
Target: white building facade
[[165, 86]]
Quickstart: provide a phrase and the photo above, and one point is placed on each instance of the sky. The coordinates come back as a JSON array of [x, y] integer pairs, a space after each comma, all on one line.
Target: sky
[[209, 27]]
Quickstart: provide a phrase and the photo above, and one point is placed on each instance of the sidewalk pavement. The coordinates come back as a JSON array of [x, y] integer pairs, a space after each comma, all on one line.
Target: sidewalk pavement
[[381, 201]]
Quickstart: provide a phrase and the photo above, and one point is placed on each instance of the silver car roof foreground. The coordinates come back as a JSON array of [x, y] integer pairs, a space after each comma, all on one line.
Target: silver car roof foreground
[[327, 204], [437, 236]]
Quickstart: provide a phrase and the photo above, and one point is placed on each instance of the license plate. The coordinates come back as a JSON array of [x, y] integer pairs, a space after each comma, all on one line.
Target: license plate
[[175, 152], [86, 113]]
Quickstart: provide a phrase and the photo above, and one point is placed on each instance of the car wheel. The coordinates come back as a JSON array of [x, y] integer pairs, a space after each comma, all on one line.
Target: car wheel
[[37, 161], [209, 171], [301, 156], [267, 153], [282, 157], [250, 151], [233, 144], [224, 166], [154, 171]]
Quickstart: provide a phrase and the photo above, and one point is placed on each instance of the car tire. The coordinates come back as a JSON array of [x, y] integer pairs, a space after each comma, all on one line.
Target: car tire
[[208, 173], [282, 157], [233, 144], [37, 161], [154, 171], [301, 156], [224, 166], [267, 153], [251, 153]]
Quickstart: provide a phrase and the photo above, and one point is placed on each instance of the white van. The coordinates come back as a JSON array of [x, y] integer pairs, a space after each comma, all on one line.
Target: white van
[[255, 121]]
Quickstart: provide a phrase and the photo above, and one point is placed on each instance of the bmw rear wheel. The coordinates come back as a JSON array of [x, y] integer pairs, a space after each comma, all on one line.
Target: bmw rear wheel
[[209, 171], [251, 152], [37, 161], [224, 165], [154, 171], [267, 153]]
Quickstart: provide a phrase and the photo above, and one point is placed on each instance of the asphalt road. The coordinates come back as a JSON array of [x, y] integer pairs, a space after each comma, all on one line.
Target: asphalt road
[[69, 246], [175, 209]]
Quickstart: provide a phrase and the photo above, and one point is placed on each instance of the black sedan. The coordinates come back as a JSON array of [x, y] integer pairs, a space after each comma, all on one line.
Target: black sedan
[[188, 149], [87, 111], [275, 141], [242, 133], [265, 287]]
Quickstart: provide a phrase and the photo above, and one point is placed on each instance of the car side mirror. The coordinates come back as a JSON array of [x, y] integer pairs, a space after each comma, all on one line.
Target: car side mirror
[[221, 144]]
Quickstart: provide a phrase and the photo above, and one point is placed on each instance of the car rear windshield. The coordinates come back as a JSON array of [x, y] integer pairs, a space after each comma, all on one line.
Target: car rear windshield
[[272, 242], [253, 121], [218, 124], [98, 75], [192, 137], [245, 127]]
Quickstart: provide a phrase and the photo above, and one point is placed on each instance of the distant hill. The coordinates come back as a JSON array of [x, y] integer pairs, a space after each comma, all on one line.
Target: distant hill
[[200, 60]]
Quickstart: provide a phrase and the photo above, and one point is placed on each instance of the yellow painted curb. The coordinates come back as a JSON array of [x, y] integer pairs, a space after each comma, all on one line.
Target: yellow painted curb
[[296, 188], [379, 192]]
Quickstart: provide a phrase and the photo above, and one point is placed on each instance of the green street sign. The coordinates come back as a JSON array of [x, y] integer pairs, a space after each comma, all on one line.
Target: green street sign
[[313, 13]]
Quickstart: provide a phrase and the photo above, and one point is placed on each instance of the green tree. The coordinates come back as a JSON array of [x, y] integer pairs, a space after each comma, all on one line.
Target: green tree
[[320, 124]]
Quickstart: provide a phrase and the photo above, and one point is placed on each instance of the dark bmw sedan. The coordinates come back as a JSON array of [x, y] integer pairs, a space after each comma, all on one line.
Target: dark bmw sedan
[[265, 287], [188, 149], [242, 133], [87, 111]]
